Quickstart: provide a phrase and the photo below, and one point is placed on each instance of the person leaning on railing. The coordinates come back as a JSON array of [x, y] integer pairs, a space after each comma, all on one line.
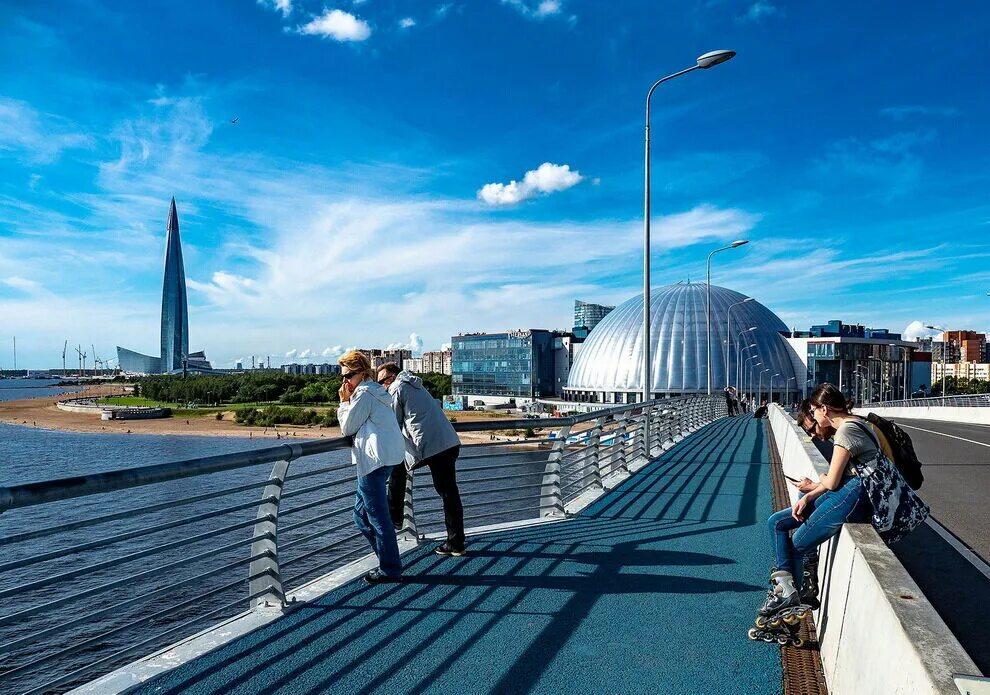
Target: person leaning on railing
[[366, 414], [430, 442]]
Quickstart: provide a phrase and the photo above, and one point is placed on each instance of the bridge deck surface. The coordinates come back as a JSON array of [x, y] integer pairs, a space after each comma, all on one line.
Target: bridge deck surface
[[649, 590]]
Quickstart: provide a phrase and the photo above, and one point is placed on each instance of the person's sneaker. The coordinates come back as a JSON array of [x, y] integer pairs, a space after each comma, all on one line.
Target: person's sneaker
[[447, 550], [379, 577]]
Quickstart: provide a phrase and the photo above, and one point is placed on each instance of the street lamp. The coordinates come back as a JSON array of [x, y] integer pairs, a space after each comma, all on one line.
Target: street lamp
[[772, 376], [945, 345], [789, 381], [761, 384], [752, 378], [728, 332], [739, 362], [708, 312], [708, 60]]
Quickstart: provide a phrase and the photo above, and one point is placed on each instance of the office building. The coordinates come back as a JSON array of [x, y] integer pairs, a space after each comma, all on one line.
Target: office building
[[863, 362], [499, 368], [588, 315], [175, 356]]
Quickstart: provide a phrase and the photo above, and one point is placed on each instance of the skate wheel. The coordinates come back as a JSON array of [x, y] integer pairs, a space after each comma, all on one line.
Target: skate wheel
[[792, 619], [797, 642], [761, 622], [782, 640], [768, 637], [775, 623], [753, 634]]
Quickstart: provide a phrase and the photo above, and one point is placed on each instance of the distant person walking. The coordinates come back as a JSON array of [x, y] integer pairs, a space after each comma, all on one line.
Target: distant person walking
[[430, 441], [366, 414], [730, 401]]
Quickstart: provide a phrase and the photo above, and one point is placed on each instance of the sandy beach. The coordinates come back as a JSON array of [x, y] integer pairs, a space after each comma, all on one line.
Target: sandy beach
[[42, 413]]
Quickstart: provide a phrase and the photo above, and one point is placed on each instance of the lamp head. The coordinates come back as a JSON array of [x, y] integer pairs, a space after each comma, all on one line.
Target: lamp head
[[748, 299], [713, 58], [739, 242], [752, 328]]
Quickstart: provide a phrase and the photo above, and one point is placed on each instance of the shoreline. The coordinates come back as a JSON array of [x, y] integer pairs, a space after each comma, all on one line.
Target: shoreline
[[41, 413]]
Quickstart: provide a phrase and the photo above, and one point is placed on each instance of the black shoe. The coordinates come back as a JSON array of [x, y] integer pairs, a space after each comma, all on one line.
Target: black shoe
[[447, 550], [379, 577]]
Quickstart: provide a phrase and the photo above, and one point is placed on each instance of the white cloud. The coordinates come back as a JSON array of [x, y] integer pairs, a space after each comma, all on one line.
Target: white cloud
[[415, 344], [335, 351], [305, 354], [916, 330], [407, 22], [283, 6], [444, 346], [545, 179], [23, 284], [536, 10], [41, 137], [760, 9], [291, 353], [337, 25]]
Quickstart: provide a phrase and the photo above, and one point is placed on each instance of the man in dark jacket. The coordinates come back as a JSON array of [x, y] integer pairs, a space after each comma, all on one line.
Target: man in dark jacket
[[430, 441]]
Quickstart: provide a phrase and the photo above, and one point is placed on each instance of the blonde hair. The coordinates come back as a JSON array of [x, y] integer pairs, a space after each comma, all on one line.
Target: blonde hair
[[356, 361]]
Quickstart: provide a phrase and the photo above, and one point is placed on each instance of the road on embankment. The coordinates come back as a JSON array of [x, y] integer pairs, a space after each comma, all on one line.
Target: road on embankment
[[956, 464], [955, 459]]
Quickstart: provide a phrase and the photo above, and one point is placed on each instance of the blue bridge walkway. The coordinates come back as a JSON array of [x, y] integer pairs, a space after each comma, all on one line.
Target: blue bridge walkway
[[648, 590]]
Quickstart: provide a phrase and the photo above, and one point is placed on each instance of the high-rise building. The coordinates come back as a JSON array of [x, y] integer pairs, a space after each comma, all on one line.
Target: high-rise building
[[437, 361], [972, 345], [587, 315], [175, 355], [175, 312], [502, 367]]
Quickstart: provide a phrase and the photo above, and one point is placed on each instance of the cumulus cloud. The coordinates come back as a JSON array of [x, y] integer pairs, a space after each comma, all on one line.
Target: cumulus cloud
[[415, 344], [545, 179], [305, 354], [407, 22], [335, 351], [291, 353], [445, 346], [916, 330], [337, 25], [283, 6]]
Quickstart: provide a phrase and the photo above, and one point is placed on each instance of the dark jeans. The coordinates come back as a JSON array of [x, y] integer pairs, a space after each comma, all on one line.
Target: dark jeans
[[371, 519], [824, 518], [445, 481]]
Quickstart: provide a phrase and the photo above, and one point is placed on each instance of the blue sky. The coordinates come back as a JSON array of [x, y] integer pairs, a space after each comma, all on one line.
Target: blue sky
[[365, 194]]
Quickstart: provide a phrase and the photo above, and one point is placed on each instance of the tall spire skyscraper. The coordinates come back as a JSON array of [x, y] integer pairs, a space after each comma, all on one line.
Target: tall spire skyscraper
[[175, 313]]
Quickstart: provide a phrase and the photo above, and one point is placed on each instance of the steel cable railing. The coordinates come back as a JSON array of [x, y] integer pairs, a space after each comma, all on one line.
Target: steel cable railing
[[980, 400], [141, 554]]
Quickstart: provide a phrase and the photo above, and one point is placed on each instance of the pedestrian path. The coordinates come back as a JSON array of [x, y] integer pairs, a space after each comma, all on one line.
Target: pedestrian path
[[648, 590]]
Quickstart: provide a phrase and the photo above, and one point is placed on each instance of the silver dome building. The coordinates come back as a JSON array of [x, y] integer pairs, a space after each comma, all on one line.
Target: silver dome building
[[609, 366]]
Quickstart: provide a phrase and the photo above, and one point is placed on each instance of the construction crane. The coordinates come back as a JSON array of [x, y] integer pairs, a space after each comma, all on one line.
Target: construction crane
[[64, 372], [96, 360], [82, 361]]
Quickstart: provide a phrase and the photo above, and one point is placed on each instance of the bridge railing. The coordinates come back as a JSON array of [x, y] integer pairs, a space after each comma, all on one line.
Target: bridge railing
[[970, 401], [104, 567]]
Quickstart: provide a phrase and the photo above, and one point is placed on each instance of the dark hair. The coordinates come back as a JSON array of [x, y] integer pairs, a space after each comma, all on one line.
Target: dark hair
[[828, 395], [390, 367]]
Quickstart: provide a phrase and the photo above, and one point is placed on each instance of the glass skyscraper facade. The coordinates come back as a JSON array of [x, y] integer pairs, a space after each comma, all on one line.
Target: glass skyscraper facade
[[588, 315], [515, 364], [175, 313]]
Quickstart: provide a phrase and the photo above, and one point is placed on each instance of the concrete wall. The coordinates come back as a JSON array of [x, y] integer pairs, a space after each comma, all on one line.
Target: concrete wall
[[979, 416], [877, 631]]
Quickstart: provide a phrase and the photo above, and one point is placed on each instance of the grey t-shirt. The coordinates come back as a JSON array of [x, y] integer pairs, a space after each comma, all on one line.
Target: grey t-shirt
[[855, 439]]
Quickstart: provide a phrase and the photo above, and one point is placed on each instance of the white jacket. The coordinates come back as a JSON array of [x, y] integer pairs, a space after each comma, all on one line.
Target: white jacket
[[369, 418]]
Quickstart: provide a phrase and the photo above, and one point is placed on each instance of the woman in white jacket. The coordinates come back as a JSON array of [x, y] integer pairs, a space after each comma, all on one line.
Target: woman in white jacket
[[366, 414]]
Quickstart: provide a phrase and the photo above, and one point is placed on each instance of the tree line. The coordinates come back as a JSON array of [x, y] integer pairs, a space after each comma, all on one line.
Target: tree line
[[263, 386]]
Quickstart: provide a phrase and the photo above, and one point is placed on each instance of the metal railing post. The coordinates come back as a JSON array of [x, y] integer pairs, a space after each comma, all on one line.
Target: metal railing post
[[408, 509], [551, 500], [265, 570], [620, 437], [595, 442]]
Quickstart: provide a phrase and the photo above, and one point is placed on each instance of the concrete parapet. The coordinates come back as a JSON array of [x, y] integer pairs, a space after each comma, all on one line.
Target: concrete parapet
[[878, 633], [972, 415]]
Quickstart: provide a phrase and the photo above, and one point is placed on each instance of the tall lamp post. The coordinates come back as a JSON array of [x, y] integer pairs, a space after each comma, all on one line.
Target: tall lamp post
[[945, 347], [739, 364], [708, 60], [772, 377], [728, 332], [708, 312], [752, 375], [761, 384]]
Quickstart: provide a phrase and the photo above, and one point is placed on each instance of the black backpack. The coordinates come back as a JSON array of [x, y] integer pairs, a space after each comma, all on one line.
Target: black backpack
[[900, 443]]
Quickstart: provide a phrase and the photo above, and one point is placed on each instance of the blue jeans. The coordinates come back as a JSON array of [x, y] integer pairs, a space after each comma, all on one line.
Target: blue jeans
[[372, 519], [824, 517]]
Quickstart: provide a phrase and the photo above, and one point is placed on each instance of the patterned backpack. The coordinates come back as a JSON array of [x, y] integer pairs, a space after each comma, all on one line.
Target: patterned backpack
[[897, 510]]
